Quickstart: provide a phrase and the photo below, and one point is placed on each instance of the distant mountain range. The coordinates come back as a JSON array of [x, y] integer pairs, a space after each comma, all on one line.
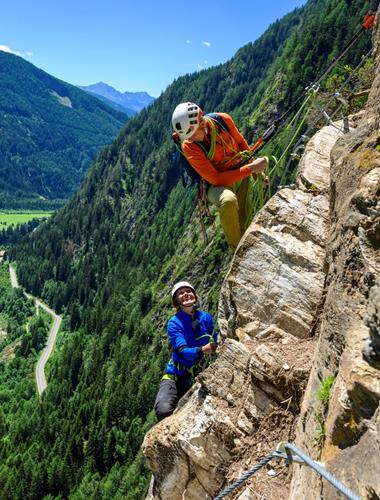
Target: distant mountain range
[[51, 131], [129, 102]]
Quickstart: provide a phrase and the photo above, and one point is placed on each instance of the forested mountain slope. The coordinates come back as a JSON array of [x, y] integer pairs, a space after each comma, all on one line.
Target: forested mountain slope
[[50, 133], [109, 258]]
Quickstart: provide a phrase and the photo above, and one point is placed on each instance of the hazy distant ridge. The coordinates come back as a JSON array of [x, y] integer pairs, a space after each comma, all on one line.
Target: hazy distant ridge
[[134, 101]]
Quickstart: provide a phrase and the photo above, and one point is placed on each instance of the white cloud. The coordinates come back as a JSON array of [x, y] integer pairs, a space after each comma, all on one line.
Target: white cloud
[[4, 48], [29, 54], [188, 42], [207, 44]]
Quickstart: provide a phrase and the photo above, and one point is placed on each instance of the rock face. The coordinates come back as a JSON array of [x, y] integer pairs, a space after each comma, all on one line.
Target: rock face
[[299, 309], [349, 342], [270, 301], [276, 277]]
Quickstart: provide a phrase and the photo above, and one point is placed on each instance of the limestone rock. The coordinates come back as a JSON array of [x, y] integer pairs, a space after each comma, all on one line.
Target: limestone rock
[[373, 107], [314, 167], [350, 442], [246, 495], [371, 351], [269, 300], [358, 467], [276, 277]]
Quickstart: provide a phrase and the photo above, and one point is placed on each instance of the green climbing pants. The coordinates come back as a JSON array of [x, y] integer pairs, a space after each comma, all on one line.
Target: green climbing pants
[[235, 205]]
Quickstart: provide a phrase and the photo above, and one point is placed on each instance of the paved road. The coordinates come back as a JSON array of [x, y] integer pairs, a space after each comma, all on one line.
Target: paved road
[[48, 349]]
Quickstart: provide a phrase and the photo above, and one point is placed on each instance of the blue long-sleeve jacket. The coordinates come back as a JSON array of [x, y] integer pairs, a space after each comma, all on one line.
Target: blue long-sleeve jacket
[[187, 337]]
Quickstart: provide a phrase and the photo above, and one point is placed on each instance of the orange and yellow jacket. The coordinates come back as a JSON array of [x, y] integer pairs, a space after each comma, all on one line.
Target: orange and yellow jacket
[[218, 171]]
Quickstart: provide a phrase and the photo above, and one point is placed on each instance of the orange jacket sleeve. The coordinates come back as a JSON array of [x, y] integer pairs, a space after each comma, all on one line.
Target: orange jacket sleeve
[[206, 169]]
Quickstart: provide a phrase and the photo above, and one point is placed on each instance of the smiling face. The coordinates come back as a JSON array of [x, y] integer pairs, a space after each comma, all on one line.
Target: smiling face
[[185, 297], [200, 133]]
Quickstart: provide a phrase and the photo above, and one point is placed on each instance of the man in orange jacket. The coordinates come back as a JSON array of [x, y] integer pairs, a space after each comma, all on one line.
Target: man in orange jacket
[[213, 145]]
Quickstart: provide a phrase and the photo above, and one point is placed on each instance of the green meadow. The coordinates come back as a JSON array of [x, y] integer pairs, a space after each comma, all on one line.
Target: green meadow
[[9, 218]]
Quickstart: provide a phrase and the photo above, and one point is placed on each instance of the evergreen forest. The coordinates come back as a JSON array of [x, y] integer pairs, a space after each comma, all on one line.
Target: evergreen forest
[[50, 133], [108, 258]]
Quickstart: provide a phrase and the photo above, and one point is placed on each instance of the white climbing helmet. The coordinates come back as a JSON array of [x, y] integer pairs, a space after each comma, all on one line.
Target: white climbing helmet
[[179, 285], [186, 119]]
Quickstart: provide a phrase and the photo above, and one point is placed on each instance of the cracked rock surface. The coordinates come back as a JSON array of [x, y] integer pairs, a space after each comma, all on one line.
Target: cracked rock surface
[[249, 398], [349, 342], [299, 304]]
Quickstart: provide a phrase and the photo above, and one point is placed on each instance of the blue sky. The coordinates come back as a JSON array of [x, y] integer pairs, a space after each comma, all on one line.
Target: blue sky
[[133, 46]]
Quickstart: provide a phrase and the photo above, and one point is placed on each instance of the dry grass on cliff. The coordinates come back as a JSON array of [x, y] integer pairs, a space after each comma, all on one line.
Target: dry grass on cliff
[[288, 374], [277, 426]]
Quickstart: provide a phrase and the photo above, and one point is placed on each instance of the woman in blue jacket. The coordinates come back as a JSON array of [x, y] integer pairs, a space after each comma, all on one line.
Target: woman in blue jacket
[[192, 336]]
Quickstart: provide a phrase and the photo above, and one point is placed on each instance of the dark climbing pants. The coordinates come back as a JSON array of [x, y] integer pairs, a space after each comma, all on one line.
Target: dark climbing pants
[[169, 393]]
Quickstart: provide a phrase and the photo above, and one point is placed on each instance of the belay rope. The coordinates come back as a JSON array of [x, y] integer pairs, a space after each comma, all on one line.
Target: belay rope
[[203, 208]]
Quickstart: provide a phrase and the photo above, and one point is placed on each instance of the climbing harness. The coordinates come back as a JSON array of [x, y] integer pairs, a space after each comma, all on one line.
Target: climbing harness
[[291, 454], [217, 124]]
